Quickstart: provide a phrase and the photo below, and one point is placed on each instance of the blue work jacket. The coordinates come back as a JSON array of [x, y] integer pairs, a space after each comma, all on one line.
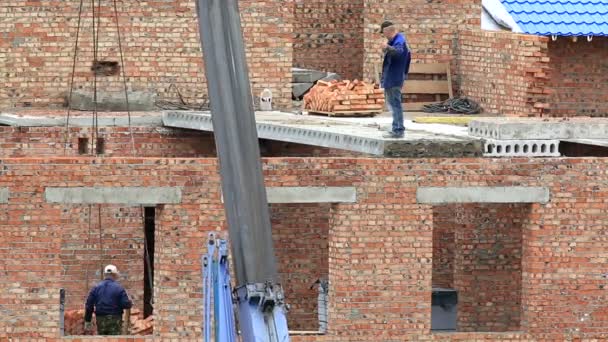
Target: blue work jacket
[[396, 63], [107, 298]]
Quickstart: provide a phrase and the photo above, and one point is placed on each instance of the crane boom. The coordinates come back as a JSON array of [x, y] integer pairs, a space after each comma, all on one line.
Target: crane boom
[[259, 296]]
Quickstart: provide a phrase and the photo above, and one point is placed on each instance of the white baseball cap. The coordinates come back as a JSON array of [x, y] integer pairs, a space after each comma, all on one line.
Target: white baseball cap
[[110, 269]]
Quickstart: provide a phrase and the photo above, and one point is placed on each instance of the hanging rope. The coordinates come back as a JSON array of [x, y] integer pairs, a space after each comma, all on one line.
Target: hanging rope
[[124, 76], [96, 28], [86, 285], [95, 60], [101, 252], [67, 121]]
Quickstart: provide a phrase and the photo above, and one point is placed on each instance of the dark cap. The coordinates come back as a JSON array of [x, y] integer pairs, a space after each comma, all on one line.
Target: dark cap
[[385, 25]]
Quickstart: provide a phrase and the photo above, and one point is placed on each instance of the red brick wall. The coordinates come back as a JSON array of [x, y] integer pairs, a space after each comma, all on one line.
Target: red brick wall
[[487, 266], [506, 73], [579, 77], [83, 255], [160, 43], [149, 142], [329, 36], [445, 224], [300, 234], [380, 248], [430, 27]]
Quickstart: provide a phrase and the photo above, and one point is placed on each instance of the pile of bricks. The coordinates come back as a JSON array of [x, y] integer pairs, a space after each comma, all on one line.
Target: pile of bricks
[[74, 323], [344, 98], [141, 326]]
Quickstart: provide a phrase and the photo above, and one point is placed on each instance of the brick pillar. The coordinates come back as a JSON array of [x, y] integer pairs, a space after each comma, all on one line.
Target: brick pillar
[[487, 266], [380, 252]]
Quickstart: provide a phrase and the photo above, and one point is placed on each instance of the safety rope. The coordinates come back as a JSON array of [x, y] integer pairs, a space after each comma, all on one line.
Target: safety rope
[[95, 49], [461, 105]]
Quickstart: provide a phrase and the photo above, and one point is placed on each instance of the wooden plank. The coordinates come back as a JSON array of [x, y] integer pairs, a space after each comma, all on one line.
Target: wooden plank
[[447, 120], [416, 106], [426, 87], [450, 82], [428, 68]]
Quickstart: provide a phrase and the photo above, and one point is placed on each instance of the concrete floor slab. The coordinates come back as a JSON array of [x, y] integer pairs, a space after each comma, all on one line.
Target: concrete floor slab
[[353, 134], [104, 120], [593, 142], [539, 128]]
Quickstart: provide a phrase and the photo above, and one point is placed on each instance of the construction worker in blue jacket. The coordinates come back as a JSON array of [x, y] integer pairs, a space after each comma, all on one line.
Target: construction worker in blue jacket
[[108, 300], [395, 67]]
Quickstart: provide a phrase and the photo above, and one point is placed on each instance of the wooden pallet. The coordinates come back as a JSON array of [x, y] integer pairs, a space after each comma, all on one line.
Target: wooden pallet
[[354, 113], [435, 86]]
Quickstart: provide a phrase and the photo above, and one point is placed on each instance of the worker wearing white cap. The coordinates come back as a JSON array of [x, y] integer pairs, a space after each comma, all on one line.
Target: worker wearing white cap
[[108, 300]]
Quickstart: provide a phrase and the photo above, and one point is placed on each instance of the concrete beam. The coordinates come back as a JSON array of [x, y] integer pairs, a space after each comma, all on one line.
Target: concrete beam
[[515, 194], [539, 129], [114, 101], [311, 194], [114, 195], [4, 195]]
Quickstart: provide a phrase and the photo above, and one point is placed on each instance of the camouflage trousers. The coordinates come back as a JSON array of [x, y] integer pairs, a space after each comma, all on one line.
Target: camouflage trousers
[[109, 325]]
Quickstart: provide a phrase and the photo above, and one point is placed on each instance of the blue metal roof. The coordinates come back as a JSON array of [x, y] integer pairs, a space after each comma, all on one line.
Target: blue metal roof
[[560, 17]]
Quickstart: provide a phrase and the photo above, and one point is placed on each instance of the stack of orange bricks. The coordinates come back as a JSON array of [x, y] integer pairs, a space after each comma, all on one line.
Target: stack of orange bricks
[[341, 98]]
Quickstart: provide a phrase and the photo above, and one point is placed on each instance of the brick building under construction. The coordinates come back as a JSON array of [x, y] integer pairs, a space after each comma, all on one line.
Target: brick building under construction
[[519, 234]]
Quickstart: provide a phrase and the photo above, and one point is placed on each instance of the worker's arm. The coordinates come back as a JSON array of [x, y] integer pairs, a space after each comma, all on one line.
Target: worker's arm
[[126, 322], [90, 305], [396, 49], [127, 304]]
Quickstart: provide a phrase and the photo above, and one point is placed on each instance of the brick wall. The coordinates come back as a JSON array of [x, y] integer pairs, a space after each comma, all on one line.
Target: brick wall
[[148, 141], [302, 251], [487, 266], [329, 36], [506, 73], [380, 248], [431, 28], [160, 43], [444, 227], [579, 77]]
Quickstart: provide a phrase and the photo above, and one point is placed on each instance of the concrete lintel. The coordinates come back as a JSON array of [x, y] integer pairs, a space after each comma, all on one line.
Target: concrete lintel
[[3, 195], [311, 194], [515, 194], [114, 195]]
